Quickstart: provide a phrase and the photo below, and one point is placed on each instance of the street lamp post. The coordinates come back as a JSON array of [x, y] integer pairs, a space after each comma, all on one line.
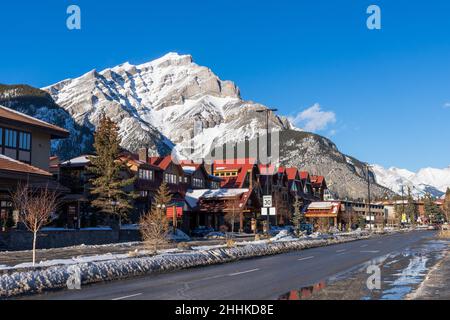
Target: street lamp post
[[269, 151], [368, 197]]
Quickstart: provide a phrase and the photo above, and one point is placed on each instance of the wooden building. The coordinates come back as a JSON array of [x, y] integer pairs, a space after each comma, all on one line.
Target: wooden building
[[24, 157]]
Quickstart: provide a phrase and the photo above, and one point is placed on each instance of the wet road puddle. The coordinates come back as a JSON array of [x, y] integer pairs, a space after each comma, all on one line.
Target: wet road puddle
[[401, 273]]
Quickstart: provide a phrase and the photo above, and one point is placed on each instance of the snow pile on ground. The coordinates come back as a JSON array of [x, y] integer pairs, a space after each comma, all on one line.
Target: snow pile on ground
[[178, 236], [215, 235], [283, 235], [46, 278], [74, 260]]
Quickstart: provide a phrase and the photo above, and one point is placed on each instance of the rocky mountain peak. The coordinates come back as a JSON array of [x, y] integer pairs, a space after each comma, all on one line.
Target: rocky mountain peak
[[172, 102]]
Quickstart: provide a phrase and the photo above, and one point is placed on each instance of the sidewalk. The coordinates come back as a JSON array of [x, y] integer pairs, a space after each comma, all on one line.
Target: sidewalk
[[436, 285]]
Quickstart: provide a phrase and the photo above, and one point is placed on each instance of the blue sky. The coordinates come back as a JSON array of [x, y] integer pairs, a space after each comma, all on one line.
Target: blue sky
[[385, 89]]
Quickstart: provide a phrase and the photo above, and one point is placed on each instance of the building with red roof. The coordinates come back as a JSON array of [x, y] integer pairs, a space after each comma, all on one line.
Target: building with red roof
[[319, 186]]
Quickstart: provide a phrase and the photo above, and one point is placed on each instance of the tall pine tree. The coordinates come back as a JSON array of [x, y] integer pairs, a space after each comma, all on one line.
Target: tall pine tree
[[432, 210], [446, 206], [411, 210], [108, 182], [297, 218]]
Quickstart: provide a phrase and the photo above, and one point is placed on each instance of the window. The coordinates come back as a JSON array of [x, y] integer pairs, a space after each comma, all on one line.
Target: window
[[144, 194], [215, 185], [145, 174], [24, 141], [170, 178], [198, 183], [10, 138], [1, 136]]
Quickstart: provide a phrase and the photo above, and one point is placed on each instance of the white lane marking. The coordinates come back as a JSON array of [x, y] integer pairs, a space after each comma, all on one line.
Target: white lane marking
[[126, 297], [211, 278], [370, 251], [342, 250], [364, 245], [243, 272], [305, 258]]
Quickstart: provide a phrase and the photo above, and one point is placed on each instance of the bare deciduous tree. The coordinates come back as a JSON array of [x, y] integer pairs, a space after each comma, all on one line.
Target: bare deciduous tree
[[154, 228], [35, 207], [231, 216], [154, 225]]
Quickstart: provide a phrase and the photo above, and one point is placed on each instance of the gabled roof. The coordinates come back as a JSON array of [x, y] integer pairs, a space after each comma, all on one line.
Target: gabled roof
[[323, 208], [134, 160], [17, 118], [318, 181], [292, 173], [304, 175], [243, 166], [217, 199], [9, 164], [268, 169], [161, 162]]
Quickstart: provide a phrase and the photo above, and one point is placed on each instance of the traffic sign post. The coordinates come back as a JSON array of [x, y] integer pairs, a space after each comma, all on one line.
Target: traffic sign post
[[267, 201], [272, 211]]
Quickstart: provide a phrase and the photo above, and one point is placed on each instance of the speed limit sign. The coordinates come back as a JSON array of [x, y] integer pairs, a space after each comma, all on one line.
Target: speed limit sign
[[267, 201]]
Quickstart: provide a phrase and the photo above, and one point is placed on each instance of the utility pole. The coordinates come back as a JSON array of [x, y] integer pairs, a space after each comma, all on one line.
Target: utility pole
[[368, 195], [269, 152]]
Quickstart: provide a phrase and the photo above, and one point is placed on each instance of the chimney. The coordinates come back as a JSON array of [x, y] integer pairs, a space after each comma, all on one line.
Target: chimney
[[143, 154]]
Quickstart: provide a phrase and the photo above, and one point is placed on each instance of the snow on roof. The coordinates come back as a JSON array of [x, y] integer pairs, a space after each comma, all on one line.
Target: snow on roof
[[322, 205], [81, 160], [9, 164], [188, 170], [29, 119], [193, 196], [224, 193]]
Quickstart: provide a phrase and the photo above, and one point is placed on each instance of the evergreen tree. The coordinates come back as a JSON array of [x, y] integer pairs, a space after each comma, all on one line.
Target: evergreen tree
[[432, 210], [411, 210], [446, 206], [163, 196], [297, 218], [108, 183]]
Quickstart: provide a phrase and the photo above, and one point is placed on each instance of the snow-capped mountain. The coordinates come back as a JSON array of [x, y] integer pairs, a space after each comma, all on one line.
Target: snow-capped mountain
[[428, 180], [171, 103], [159, 104]]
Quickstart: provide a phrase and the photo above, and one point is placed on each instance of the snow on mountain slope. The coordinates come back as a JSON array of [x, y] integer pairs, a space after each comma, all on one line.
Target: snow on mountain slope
[[158, 104], [431, 180], [172, 102]]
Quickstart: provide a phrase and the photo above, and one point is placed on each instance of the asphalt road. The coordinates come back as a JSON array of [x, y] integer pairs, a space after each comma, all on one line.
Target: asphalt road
[[260, 278]]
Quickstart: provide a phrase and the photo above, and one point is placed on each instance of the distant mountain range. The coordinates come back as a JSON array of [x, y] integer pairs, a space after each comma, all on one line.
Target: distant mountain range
[[161, 103], [427, 180]]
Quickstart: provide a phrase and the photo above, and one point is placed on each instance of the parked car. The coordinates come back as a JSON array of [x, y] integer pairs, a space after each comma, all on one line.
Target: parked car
[[201, 231]]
